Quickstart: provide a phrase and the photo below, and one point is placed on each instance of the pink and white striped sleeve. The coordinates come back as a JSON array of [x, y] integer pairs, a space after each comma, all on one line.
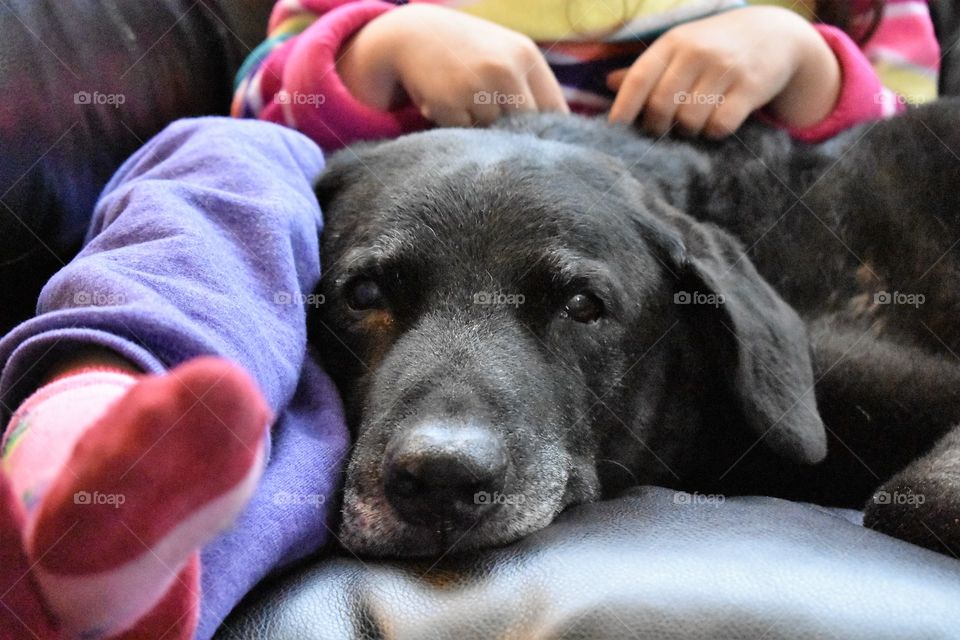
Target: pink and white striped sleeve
[[298, 86]]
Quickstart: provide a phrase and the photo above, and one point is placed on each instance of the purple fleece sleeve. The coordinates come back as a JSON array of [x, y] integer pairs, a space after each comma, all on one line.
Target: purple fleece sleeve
[[206, 242]]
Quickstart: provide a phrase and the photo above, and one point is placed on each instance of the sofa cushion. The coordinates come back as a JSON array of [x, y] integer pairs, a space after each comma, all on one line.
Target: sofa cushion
[[652, 563]]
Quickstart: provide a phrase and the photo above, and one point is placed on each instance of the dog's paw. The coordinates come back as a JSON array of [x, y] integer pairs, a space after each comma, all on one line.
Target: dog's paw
[[922, 509]]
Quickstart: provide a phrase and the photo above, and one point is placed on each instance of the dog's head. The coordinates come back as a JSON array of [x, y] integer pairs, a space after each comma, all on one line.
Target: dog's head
[[511, 322]]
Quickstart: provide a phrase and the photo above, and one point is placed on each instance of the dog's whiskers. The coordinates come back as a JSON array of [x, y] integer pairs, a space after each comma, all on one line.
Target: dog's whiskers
[[627, 469]]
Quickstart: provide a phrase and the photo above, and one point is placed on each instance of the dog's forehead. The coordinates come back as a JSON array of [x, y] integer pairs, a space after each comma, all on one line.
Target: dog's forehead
[[503, 192], [515, 205]]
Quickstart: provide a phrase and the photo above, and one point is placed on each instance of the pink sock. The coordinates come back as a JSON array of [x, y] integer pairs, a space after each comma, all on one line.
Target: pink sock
[[22, 610], [125, 478], [43, 432]]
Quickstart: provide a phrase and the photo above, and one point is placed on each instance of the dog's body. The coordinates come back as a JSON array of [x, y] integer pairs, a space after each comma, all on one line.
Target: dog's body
[[556, 309]]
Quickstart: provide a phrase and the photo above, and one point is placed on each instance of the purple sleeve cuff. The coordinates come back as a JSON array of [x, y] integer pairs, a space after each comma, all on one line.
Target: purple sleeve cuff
[[314, 99], [861, 94]]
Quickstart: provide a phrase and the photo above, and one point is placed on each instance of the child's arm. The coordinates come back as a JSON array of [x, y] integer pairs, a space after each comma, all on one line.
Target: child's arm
[[459, 70], [366, 70], [291, 78], [349, 74], [811, 79], [708, 76]]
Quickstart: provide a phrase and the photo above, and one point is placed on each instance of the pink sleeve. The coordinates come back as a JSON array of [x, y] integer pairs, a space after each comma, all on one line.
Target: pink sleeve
[[861, 93], [303, 89]]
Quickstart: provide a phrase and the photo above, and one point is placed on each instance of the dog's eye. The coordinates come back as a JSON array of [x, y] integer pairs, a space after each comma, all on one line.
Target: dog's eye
[[583, 307], [365, 294]]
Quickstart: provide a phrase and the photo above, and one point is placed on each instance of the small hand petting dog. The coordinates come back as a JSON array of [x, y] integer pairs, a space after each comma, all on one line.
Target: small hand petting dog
[[356, 71], [747, 57]]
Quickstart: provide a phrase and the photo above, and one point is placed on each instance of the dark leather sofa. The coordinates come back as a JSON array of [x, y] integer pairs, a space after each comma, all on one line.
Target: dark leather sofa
[[651, 564]]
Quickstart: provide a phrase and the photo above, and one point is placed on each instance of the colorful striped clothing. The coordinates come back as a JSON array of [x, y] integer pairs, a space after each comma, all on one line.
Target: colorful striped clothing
[[291, 78], [904, 51]]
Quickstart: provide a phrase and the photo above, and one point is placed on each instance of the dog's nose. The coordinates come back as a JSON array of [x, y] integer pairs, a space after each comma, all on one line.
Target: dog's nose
[[445, 472]]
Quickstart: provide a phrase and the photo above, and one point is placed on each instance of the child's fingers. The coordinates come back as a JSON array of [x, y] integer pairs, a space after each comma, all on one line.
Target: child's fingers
[[515, 95], [672, 91], [546, 91], [728, 117], [707, 95], [446, 115], [525, 101], [511, 95], [484, 114], [529, 102], [615, 78], [637, 84]]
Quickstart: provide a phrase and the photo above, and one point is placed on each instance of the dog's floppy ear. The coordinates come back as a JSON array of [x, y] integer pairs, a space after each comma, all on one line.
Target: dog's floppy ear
[[758, 341]]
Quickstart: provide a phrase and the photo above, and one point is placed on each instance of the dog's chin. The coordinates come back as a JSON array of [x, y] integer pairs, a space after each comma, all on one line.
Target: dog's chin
[[377, 536], [370, 527]]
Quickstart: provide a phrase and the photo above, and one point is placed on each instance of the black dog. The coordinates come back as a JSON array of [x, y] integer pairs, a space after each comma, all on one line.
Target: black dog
[[538, 315]]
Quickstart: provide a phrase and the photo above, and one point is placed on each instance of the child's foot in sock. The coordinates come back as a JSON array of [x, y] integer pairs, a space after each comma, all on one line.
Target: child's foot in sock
[[175, 616], [22, 613], [45, 429], [163, 470]]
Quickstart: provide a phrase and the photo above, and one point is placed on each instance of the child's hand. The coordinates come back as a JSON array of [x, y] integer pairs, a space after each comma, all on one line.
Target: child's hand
[[708, 76], [458, 69]]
